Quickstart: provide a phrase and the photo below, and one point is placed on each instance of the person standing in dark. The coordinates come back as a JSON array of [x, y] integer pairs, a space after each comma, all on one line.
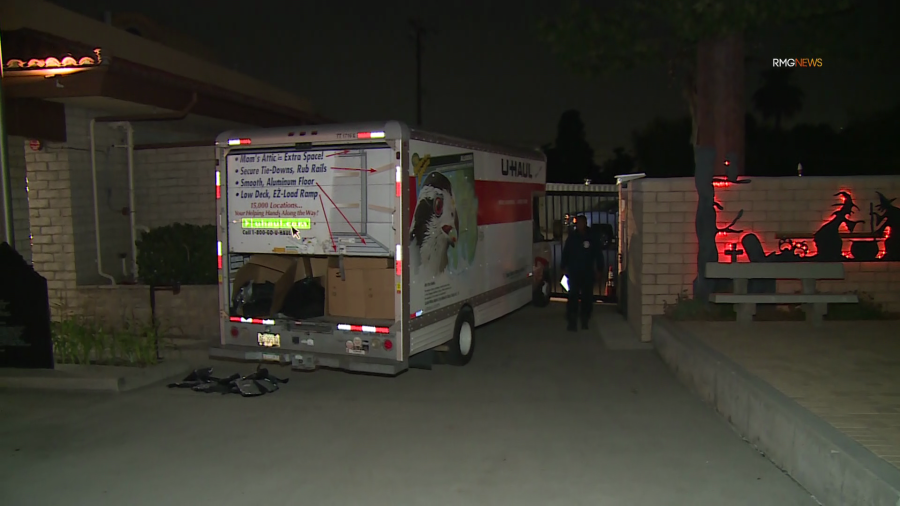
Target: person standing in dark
[[581, 263]]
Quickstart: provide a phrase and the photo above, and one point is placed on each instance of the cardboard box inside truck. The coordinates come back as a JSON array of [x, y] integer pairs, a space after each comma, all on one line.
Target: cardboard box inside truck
[[366, 290], [281, 270]]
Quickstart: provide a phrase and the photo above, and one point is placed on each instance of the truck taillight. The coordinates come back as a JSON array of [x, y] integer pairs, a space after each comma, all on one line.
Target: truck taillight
[[370, 135], [238, 142], [388, 344], [218, 185], [399, 181], [398, 260], [219, 254]]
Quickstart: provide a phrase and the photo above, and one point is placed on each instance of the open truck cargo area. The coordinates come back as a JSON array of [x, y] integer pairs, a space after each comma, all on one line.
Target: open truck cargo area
[[358, 247]]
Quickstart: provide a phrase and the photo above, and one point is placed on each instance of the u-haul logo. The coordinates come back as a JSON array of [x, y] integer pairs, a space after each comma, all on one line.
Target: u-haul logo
[[514, 168], [796, 62]]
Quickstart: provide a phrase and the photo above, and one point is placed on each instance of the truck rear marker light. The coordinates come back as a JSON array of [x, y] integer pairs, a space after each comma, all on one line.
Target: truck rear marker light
[[415, 315], [363, 328], [238, 142], [255, 321], [370, 135], [218, 186], [398, 261], [219, 254], [399, 183]]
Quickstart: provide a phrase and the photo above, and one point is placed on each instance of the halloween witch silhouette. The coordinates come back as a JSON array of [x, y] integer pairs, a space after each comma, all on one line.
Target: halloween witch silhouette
[[828, 241], [885, 223]]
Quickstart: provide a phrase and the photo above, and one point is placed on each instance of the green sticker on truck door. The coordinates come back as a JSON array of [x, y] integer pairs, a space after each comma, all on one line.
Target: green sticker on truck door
[[276, 223]]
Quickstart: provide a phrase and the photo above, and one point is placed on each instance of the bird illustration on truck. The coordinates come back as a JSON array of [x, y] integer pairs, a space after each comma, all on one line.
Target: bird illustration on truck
[[435, 226]]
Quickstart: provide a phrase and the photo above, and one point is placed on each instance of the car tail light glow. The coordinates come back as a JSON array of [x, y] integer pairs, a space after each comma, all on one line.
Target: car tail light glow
[[238, 142], [218, 185], [256, 321], [363, 328]]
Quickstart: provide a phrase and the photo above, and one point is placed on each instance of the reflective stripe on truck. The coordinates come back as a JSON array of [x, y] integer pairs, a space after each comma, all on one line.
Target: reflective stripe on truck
[[344, 327]]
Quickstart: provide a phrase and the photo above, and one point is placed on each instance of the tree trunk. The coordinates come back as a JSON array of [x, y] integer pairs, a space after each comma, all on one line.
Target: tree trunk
[[719, 135], [727, 76]]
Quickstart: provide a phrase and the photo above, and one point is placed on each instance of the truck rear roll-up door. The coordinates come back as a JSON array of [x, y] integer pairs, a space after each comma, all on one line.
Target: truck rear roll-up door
[[311, 201]]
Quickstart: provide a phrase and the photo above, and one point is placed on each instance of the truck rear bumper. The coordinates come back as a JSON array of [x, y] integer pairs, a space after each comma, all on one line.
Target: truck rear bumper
[[308, 361]]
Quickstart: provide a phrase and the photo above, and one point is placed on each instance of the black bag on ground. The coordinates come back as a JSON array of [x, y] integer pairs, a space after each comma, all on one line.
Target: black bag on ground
[[252, 385]]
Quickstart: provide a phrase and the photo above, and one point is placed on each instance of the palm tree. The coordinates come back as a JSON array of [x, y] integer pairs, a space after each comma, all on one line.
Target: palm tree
[[777, 98]]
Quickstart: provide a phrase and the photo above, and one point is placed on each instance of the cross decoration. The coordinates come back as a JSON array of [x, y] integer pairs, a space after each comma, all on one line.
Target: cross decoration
[[733, 252]]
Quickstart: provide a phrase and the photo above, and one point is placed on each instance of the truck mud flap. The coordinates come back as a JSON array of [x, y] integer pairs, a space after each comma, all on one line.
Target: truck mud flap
[[423, 360]]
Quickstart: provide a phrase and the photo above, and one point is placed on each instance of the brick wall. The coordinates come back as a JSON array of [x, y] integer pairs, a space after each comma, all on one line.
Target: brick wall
[[176, 185], [112, 197], [191, 313], [19, 190], [50, 217], [171, 185], [630, 246], [662, 247], [60, 202]]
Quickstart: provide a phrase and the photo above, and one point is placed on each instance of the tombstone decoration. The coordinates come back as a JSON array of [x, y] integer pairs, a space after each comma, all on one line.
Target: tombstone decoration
[[25, 340]]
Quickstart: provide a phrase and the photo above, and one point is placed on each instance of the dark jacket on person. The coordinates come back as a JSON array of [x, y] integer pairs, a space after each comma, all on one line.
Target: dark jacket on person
[[582, 255]]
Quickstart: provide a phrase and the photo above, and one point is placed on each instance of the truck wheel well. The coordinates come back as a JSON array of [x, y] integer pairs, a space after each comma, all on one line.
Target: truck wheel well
[[468, 307]]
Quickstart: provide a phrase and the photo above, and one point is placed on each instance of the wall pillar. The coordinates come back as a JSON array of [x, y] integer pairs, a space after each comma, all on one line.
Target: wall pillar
[[50, 216]]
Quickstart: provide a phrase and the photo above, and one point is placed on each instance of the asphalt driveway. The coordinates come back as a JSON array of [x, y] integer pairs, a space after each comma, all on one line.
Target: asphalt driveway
[[539, 417]]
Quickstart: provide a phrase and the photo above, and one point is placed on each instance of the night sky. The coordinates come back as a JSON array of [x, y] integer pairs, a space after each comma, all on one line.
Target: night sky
[[487, 75]]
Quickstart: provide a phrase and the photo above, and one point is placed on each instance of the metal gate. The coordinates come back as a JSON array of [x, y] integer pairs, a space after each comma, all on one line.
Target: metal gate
[[554, 213]]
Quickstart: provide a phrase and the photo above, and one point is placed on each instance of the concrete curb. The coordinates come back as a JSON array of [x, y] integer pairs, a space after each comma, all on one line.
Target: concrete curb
[[835, 469], [112, 381]]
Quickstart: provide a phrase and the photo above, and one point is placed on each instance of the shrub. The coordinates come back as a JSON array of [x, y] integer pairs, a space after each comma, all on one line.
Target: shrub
[[178, 253], [685, 308], [81, 340], [866, 309]]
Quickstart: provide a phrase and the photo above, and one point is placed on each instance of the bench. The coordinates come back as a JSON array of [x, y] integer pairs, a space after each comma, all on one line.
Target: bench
[[815, 305]]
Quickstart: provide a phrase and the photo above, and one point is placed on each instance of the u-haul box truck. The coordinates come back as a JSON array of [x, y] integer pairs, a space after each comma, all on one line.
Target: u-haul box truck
[[359, 246]]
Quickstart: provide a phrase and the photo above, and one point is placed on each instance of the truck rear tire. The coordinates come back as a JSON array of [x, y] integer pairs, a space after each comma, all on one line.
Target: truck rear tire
[[462, 346], [541, 295]]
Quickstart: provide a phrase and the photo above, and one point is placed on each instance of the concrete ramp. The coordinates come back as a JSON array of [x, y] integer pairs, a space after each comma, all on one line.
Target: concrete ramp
[[835, 469]]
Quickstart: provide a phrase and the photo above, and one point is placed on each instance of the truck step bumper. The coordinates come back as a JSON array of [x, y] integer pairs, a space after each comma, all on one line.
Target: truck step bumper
[[308, 361]]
